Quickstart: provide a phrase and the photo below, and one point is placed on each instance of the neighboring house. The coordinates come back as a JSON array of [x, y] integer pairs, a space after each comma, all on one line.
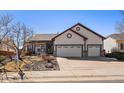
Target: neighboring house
[[114, 43], [77, 41], [5, 49]]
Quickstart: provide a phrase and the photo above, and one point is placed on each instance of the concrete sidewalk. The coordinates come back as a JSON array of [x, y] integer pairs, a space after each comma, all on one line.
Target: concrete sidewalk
[[76, 71]]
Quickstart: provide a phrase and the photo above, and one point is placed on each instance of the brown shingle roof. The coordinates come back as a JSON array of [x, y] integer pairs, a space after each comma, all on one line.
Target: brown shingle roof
[[117, 36], [42, 37]]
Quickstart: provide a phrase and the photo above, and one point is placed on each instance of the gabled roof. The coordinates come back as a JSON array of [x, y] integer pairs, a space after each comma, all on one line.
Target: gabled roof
[[117, 36], [88, 30], [42, 37], [72, 31], [49, 37], [80, 34]]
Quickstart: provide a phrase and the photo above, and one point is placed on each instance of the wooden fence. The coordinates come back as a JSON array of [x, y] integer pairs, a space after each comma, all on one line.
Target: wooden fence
[[7, 53]]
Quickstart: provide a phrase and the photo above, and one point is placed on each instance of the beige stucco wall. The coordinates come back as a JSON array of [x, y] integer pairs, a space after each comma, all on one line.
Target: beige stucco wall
[[75, 39], [92, 38], [109, 44]]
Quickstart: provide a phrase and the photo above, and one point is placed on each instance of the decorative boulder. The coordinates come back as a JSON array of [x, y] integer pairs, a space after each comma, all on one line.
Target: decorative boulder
[[49, 65], [54, 62]]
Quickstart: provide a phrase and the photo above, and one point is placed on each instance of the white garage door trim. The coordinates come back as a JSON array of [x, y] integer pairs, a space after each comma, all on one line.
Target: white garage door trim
[[69, 50], [94, 50]]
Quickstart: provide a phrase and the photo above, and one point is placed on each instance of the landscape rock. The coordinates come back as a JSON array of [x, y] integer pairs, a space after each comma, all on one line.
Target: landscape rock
[[42, 66], [49, 65]]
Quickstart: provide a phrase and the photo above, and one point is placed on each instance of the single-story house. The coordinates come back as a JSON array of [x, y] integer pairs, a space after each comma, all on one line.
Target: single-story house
[[76, 41], [114, 43]]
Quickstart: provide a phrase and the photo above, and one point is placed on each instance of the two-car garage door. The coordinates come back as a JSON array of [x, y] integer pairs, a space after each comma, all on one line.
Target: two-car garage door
[[69, 50]]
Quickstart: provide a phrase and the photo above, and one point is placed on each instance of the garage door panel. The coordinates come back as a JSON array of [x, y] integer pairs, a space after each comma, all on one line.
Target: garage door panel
[[94, 50], [69, 51]]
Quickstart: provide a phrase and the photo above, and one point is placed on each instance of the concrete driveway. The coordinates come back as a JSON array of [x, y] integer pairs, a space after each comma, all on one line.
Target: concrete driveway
[[104, 67], [77, 70], [89, 70]]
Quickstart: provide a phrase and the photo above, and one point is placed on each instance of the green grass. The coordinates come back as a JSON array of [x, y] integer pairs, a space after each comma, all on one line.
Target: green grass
[[2, 58]]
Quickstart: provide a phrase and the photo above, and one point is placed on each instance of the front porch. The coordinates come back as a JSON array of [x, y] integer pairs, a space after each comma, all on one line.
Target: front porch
[[39, 48]]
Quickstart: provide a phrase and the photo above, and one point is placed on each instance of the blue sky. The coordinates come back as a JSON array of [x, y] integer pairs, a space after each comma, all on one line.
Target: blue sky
[[53, 21]]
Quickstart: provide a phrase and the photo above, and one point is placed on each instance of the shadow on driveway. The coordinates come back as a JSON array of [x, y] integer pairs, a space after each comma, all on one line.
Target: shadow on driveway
[[96, 59]]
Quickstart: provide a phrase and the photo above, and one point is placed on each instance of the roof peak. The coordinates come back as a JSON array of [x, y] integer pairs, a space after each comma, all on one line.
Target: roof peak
[[87, 29]]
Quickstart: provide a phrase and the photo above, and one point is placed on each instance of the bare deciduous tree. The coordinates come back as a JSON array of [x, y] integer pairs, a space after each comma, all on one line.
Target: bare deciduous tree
[[5, 24], [20, 33], [120, 25], [14, 35]]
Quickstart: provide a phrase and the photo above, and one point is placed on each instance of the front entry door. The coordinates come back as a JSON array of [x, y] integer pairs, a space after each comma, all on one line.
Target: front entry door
[[43, 49], [49, 48]]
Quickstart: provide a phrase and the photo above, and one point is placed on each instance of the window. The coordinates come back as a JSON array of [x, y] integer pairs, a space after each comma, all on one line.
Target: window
[[97, 46], [78, 47], [72, 47], [69, 35], [29, 48], [78, 28], [65, 46], [121, 46], [38, 50]]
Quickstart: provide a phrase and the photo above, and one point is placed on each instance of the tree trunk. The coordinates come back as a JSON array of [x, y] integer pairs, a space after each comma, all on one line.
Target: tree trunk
[[19, 57]]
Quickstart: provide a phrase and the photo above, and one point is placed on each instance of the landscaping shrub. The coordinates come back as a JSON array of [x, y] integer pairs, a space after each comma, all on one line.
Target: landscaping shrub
[[2, 58], [47, 57], [118, 55], [28, 54]]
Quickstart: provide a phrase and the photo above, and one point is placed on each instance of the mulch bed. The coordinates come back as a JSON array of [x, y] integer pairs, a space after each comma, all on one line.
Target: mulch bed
[[42, 66]]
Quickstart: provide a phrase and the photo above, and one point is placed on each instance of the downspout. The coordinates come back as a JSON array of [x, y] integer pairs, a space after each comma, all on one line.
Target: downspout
[[85, 48]]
